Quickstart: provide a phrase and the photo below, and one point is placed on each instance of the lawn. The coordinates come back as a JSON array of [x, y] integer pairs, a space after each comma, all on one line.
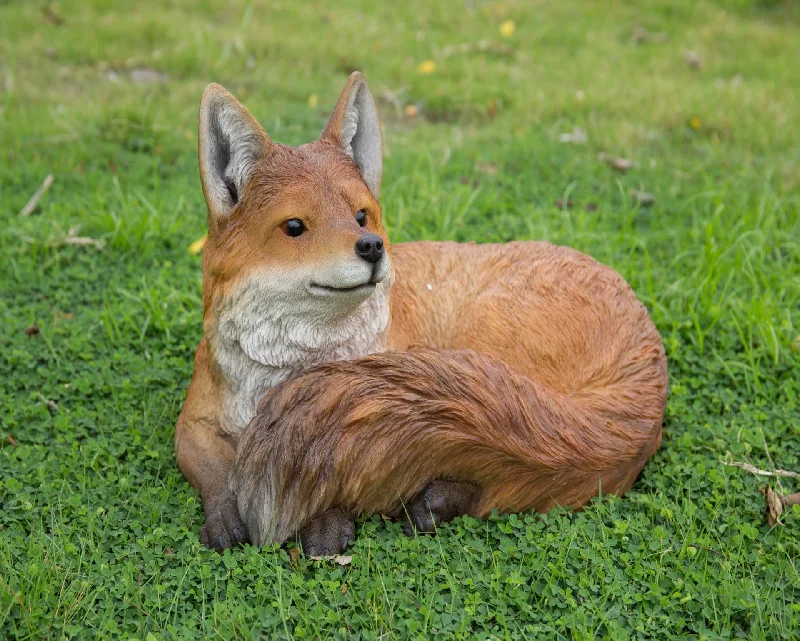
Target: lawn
[[102, 312]]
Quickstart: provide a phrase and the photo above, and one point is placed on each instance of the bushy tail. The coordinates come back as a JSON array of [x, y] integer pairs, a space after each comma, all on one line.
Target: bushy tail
[[369, 434]]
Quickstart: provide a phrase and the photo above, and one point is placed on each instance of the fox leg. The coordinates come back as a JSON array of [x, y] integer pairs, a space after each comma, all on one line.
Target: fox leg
[[439, 502], [223, 527], [329, 533], [205, 459]]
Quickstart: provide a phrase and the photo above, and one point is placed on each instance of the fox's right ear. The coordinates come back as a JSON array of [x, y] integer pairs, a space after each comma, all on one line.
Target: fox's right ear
[[230, 145]]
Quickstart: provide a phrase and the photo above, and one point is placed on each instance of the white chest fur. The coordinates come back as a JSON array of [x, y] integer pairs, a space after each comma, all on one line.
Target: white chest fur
[[259, 340]]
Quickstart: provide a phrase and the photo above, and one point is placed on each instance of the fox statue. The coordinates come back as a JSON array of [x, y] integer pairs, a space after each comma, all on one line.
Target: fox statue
[[339, 374]]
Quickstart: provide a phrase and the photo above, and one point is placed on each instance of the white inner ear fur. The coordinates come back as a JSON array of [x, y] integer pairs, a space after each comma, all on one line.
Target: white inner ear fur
[[231, 144], [360, 135]]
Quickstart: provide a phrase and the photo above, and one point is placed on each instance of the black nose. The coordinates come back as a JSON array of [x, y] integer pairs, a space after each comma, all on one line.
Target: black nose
[[370, 248]]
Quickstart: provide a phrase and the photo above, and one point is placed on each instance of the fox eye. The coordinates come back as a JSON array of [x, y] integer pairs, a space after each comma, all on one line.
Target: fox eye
[[361, 217], [293, 227]]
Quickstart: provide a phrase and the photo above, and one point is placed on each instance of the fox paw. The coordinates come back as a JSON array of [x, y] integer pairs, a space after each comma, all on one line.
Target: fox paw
[[328, 534], [439, 502], [224, 527]]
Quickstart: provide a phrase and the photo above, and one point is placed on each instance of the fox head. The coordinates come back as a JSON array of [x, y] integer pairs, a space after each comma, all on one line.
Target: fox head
[[295, 237]]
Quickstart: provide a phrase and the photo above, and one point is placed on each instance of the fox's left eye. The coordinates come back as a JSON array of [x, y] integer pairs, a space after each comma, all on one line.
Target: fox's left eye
[[361, 217]]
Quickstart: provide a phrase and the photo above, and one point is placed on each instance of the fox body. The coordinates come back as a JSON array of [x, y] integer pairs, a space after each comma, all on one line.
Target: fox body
[[339, 374]]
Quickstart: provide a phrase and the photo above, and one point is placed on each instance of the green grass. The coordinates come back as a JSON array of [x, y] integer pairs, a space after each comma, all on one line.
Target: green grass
[[98, 530]]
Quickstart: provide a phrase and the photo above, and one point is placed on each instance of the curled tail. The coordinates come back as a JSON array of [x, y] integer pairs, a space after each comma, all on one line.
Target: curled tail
[[367, 435]]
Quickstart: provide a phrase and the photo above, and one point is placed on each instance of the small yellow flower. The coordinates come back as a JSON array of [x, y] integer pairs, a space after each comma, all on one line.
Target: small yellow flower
[[411, 111], [312, 100], [197, 246], [427, 67], [507, 28], [694, 123]]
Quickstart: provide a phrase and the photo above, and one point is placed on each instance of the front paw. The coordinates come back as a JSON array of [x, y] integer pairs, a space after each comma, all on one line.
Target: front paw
[[224, 527], [328, 534], [439, 502]]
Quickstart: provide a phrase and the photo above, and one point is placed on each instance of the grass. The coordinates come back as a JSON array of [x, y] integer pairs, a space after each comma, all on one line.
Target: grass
[[98, 530]]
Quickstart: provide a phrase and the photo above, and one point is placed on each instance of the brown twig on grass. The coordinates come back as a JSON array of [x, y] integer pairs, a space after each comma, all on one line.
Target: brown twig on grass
[[27, 210], [747, 467], [72, 238]]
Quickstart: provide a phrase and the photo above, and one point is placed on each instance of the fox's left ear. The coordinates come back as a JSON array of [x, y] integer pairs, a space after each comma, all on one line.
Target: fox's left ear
[[355, 128]]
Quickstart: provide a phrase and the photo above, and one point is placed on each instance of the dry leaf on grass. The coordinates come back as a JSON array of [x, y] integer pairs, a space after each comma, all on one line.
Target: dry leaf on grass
[[51, 16], [336, 558], [640, 35], [693, 59], [146, 76], [734, 81], [31, 330], [569, 204], [486, 168], [576, 137], [776, 504], [620, 164], [643, 198]]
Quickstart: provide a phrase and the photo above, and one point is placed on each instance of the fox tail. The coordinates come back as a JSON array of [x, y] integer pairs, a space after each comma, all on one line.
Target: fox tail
[[370, 434]]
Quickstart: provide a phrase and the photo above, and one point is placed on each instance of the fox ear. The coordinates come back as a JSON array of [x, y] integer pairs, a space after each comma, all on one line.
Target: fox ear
[[355, 128], [230, 144]]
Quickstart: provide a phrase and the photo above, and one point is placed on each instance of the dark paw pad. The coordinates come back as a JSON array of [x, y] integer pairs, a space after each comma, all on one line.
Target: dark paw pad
[[328, 534], [439, 502], [224, 527]]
